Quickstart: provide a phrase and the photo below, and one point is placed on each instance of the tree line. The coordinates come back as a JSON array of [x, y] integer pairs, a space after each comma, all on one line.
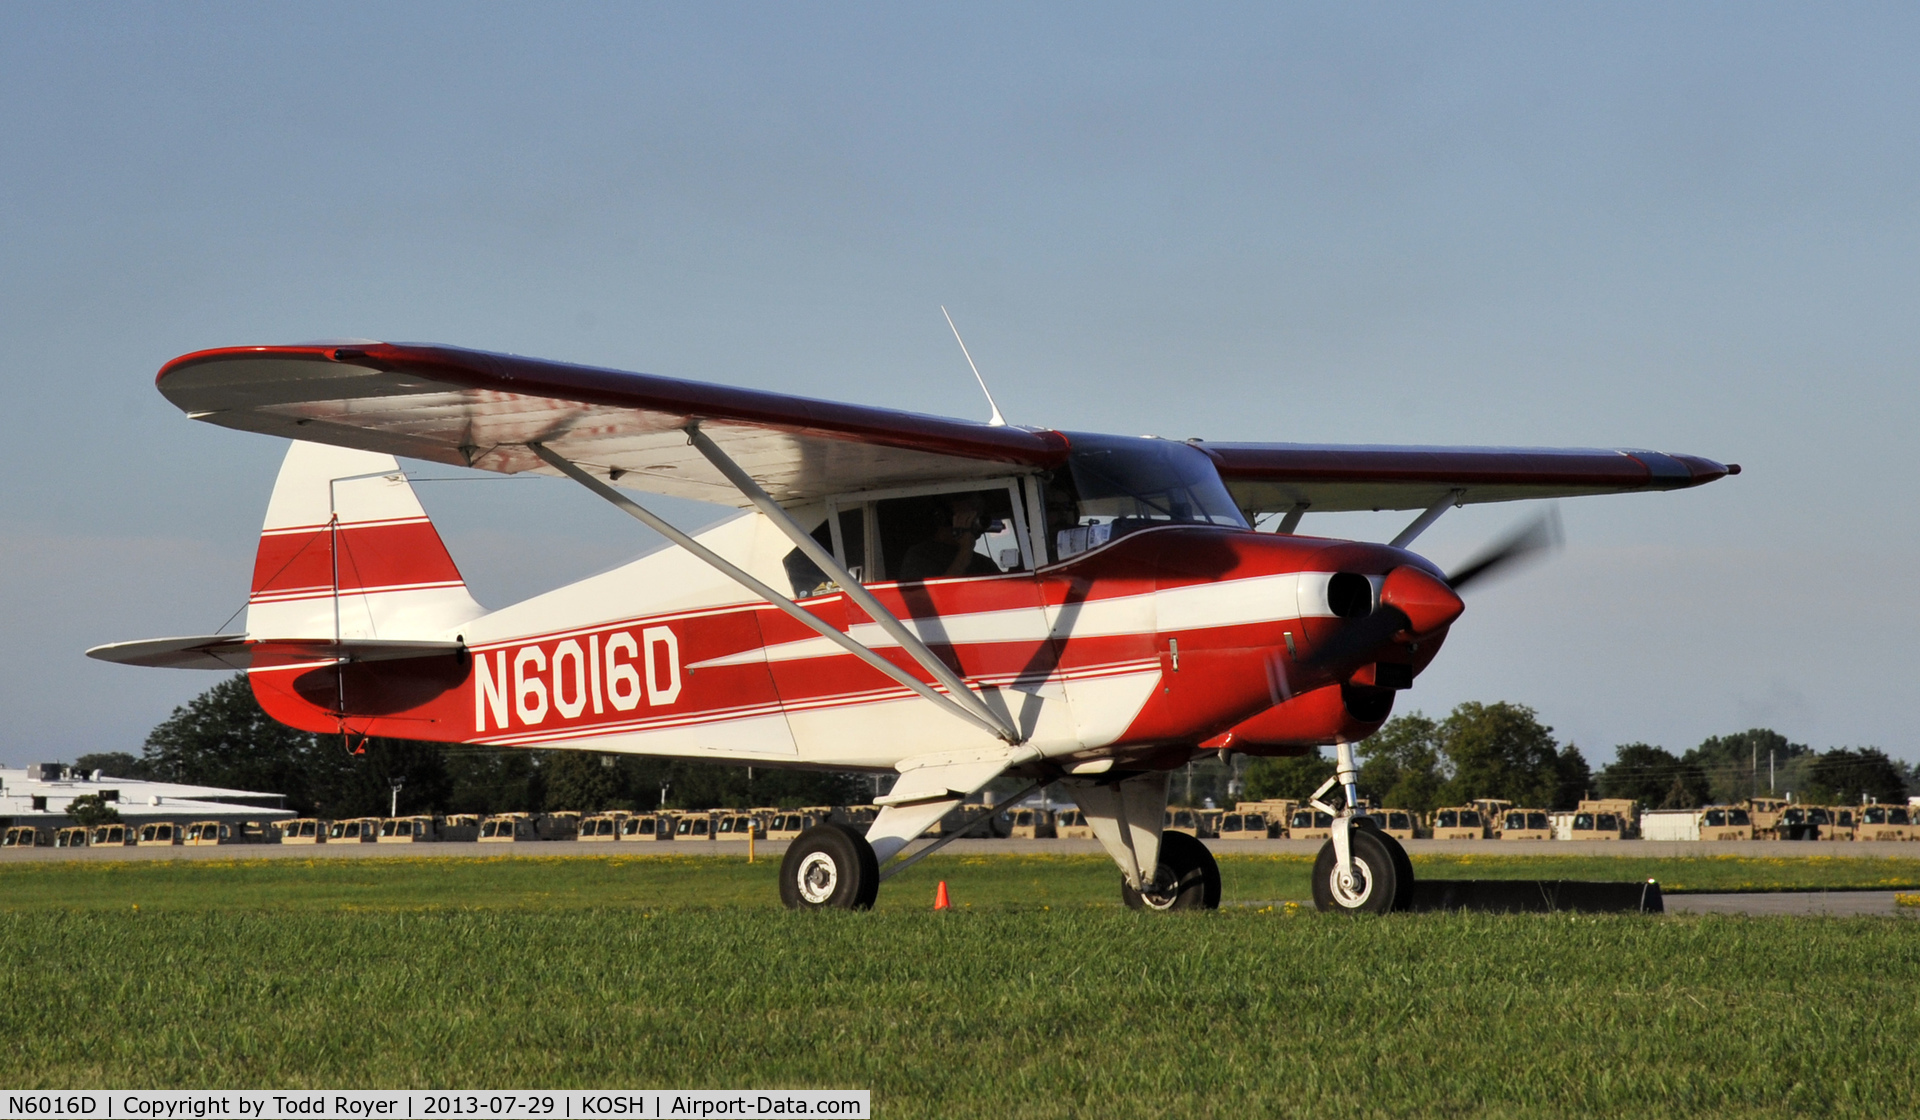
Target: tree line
[[223, 738], [1502, 750]]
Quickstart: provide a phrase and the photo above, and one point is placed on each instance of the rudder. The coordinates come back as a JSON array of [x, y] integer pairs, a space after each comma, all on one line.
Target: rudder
[[347, 551]]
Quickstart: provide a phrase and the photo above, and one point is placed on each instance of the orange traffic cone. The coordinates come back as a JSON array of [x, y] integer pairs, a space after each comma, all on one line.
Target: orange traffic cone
[[940, 897]]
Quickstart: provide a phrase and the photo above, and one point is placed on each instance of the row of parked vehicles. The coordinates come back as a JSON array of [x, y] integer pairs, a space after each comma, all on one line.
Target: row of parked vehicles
[[1486, 819], [1758, 818], [499, 828]]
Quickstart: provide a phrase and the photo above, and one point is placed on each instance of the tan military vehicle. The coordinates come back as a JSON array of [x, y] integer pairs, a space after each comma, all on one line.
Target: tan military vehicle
[[1526, 824], [25, 836], [1458, 822], [1801, 822], [1763, 813], [1193, 822], [601, 828], [1590, 824], [1846, 818], [1884, 822], [1725, 822], [737, 825], [1401, 824], [1245, 824], [417, 829], [1071, 824], [305, 830], [1033, 824], [1278, 811], [111, 835], [693, 826], [212, 833], [1624, 810], [159, 834], [788, 824], [1493, 810], [645, 826], [354, 830], [1309, 823], [72, 836], [508, 828]]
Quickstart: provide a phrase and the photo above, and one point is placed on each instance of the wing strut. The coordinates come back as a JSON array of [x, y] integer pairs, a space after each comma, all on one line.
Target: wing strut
[[799, 613], [1425, 521], [831, 565]]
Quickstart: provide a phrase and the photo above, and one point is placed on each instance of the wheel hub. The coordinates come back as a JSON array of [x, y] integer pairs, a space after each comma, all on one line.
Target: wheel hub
[[1352, 891], [818, 876]]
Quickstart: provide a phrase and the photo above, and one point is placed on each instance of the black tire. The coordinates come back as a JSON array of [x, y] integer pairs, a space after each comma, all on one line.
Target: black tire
[[1402, 866], [1376, 889], [829, 867], [1187, 879]]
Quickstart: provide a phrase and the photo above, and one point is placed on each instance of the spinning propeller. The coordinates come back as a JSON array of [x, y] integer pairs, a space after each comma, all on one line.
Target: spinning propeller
[[1414, 601]]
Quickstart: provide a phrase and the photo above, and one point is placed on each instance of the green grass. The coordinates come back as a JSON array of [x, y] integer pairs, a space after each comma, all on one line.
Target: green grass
[[1077, 1012], [1040, 998], [986, 882]]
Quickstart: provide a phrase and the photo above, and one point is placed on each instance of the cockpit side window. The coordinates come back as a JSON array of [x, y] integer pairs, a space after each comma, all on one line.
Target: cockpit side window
[[961, 533], [806, 576]]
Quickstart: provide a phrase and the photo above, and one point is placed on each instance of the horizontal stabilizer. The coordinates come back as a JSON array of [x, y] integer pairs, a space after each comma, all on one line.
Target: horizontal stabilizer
[[233, 651]]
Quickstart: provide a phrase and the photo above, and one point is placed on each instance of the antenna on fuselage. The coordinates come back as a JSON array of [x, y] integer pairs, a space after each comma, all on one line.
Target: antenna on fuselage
[[997, 420]]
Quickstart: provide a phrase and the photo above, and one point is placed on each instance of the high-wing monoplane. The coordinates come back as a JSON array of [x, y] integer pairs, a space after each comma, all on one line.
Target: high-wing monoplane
[[949, 601]]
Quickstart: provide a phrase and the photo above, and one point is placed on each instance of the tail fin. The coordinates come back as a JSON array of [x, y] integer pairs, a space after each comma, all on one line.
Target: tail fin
[[347, 552]]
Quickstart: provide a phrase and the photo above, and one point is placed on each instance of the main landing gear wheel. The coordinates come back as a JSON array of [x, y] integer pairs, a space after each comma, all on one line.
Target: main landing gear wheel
[[1382, 875], [1187, 879], [1402, 869], [829, 867]]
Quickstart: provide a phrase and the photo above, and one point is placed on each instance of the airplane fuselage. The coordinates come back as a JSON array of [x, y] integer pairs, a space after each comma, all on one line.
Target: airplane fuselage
[[1146, 647]]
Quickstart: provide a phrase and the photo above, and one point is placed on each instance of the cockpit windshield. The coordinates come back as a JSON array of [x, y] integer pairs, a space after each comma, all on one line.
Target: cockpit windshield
[[1123, 485]]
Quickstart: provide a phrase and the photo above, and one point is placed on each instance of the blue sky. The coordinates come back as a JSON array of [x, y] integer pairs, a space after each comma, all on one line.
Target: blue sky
[[1691, 228]]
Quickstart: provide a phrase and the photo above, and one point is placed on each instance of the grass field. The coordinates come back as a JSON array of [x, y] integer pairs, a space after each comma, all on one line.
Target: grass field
[[1017, 881], [661, 972]]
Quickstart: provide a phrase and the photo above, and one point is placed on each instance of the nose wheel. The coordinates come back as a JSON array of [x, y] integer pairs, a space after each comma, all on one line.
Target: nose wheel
[[1187, 878], [1381, 879]]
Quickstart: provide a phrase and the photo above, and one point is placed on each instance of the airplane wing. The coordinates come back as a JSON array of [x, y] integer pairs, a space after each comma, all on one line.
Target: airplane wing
[[1277, 477], [474, 409]]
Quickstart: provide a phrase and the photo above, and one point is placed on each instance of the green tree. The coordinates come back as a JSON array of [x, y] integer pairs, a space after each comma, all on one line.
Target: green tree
[[1576, 778], [223, 738], [1844, 776], [90, 809], [1499, 750], [1736, 766], [584, 782], [1293, 777], [1654, 778], [1400, 765]]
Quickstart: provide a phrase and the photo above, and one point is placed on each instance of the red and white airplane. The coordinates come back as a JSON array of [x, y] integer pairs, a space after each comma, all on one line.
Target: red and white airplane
[[948, 600]]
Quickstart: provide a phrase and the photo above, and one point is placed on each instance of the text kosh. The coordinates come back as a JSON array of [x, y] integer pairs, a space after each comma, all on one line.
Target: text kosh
[[575, 675]]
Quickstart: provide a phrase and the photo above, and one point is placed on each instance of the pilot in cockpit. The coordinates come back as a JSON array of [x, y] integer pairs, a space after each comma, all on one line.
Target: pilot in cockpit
[[948, 550]]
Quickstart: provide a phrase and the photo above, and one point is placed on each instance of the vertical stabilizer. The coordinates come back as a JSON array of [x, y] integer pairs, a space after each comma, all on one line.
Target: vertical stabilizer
[[348, 552]]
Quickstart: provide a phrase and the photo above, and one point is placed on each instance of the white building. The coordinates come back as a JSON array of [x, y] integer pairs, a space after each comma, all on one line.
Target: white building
[[39, 794]]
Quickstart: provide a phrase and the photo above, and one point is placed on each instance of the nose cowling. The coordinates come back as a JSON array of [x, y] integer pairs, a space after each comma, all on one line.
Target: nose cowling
[[1426, 601]]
